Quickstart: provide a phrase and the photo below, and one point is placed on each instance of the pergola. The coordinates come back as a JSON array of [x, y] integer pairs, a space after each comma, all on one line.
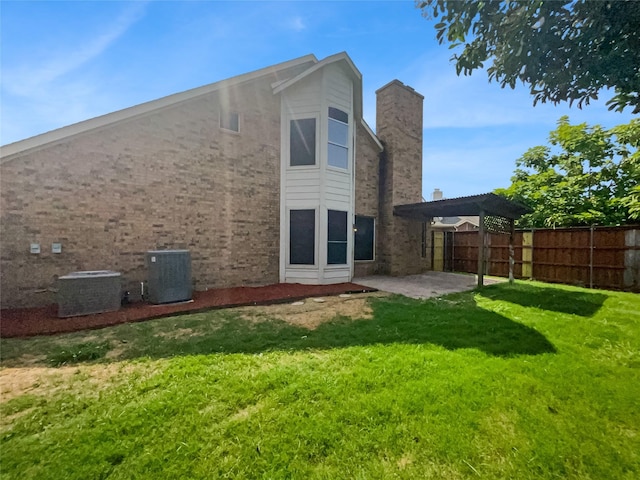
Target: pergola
[[497, 215]]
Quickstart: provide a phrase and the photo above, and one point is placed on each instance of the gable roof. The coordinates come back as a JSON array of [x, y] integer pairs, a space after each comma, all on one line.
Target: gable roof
[[9, 151], [339, 58]]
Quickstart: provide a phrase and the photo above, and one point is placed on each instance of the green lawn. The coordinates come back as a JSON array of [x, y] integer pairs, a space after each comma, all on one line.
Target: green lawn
[[524, 381]]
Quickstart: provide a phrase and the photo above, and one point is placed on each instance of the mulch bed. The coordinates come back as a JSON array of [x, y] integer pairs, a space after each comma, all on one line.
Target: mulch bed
[[28, 322]]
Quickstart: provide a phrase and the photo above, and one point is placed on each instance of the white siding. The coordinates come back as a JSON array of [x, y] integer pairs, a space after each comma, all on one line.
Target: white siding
[[338, 189], [337, 275], [320, 187], [339, 88], [309, 277]]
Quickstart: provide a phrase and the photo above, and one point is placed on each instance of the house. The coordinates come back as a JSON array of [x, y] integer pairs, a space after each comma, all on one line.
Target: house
[[271, 176], [463, 223], [455, 224]]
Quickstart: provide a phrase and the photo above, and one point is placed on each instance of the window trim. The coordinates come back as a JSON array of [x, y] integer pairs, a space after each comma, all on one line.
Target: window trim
[[329, 142], [296, 117], [344, 242], [302, 266]]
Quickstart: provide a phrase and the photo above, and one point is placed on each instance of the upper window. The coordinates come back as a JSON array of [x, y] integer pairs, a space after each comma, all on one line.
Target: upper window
[[337, 238], [230, 121], [338, 148], [302, 234], [364, 237], [302, 142]]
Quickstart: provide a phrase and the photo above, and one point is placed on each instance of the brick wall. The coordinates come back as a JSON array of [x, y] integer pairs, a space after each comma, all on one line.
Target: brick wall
[[367, 190], [399, 127], [169, 179], [173, 179]]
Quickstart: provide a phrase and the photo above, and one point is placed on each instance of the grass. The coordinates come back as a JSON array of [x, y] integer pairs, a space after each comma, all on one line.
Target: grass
[[522, 381]]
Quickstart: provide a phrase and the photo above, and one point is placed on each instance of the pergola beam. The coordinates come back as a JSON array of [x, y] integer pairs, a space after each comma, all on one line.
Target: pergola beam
[[485, 205], [490, 203]]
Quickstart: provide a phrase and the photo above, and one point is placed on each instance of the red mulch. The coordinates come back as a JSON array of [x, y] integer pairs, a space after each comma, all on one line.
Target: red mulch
[[28, 322]]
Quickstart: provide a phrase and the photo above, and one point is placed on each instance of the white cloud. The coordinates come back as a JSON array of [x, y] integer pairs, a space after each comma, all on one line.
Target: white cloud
[[28, 80], [296, 24], [37, 97]]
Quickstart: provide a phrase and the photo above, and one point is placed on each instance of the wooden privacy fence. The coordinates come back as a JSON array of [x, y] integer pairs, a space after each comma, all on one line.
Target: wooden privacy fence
[[596, 257]]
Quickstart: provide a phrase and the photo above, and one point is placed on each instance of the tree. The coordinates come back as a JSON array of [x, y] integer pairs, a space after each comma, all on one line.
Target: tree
[[565, 50], [592, 176]]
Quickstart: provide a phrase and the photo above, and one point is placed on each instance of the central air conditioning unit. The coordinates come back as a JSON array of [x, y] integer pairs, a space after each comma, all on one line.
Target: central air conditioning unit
[[169, 279], [84, 293]]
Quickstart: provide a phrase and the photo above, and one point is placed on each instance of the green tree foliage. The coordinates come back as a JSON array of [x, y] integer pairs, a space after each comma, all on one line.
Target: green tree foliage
[[591, 176], [565, 50]]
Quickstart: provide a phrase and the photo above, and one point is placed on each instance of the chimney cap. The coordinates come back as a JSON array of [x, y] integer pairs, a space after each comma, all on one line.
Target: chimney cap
[[399, 84]]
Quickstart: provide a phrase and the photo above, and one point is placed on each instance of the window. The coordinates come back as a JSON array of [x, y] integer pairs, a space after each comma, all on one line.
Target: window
[[338, 149], [302, 142], [337, 238], [364, 238], [230, 121], [302, 234]]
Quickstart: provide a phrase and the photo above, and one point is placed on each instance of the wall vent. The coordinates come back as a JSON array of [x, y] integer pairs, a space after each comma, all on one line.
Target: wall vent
[[84, 293], [169, 278]]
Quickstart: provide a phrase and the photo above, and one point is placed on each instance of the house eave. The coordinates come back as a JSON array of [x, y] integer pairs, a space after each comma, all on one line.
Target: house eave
[[13, 150], [341, 57], [372, 134]]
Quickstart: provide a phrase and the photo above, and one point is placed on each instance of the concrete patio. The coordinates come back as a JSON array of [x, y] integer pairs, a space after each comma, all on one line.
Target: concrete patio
[[425, 285]]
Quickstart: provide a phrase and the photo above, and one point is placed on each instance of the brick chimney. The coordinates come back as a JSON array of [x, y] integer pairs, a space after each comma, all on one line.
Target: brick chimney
[[399, 128]]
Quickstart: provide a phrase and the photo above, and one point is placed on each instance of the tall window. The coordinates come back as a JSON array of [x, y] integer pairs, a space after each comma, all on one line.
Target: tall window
[[302, 141], [338, 148], [364, 238], [302, 234], [337, 236]]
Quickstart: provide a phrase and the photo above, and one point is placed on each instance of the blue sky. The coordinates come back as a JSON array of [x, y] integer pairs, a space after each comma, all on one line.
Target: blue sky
[[63, 62]]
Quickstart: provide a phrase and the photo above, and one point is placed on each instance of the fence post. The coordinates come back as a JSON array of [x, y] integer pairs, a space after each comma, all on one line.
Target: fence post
[[527, 254], [591, 258], [512, 260], [438, 251], [481, 249], [631, 278]]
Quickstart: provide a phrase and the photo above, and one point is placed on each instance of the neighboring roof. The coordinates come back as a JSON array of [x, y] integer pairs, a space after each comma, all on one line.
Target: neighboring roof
[[8, 151], [456, 222], [489, 203]]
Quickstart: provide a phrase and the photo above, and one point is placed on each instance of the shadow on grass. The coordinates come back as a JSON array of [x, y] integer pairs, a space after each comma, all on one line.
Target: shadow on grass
[[582, 303], [452, 323]]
